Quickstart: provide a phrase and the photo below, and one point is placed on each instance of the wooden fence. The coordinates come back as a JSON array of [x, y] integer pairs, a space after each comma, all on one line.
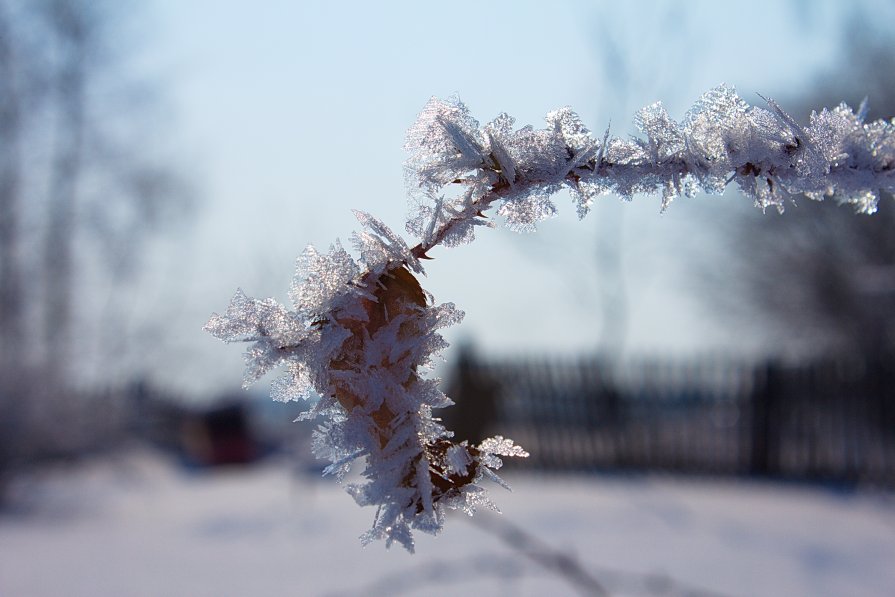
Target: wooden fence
[[831, 420]]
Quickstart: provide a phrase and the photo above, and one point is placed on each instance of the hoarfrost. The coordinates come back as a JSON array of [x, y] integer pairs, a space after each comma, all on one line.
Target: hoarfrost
[[722, 139], [524, 215], [362, 333]]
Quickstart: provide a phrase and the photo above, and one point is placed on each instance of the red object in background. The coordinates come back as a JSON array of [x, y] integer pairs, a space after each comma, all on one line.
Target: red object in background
[[220, 436]]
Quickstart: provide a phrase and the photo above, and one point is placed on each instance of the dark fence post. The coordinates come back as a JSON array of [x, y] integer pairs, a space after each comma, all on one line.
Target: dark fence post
[[766, 399], [476, 394]]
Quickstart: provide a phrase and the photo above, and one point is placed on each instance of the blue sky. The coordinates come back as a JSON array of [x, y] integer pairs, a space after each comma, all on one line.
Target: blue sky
[[294, 113]]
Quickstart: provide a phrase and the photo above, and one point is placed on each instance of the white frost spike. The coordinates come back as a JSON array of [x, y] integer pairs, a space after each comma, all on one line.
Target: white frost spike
[[458, 459], [665, 137], [444, 143], [394, 246], [320, 278], [250, 319], [567, 123], [524, 215], [500, 446]]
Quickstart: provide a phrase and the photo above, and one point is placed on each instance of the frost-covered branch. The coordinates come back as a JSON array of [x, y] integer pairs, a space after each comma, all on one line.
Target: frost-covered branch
[[721, 140], [362, 332]]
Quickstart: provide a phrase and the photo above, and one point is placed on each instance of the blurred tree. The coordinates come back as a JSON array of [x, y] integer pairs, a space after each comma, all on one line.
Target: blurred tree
[[72, 29], [84, 182], [11, 274]]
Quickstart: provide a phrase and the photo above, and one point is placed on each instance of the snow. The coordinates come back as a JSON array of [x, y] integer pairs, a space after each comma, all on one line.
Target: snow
[[139, 525]]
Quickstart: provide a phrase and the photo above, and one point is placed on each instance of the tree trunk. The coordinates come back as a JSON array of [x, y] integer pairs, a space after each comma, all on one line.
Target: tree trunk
[[66, 168], [12, 319]]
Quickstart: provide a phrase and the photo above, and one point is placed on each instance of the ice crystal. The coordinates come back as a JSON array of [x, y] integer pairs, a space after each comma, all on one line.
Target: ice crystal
[[523, 214], [361, 333]]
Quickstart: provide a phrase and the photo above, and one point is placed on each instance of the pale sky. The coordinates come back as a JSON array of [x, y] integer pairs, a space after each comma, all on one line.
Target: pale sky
[[293, 113]]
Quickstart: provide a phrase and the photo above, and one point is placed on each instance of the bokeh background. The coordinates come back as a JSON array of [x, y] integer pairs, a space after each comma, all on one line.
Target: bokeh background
[[156, 155]]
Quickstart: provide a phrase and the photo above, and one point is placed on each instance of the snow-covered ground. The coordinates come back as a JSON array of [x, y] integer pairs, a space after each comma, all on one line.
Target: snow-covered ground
[[138, 525]]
